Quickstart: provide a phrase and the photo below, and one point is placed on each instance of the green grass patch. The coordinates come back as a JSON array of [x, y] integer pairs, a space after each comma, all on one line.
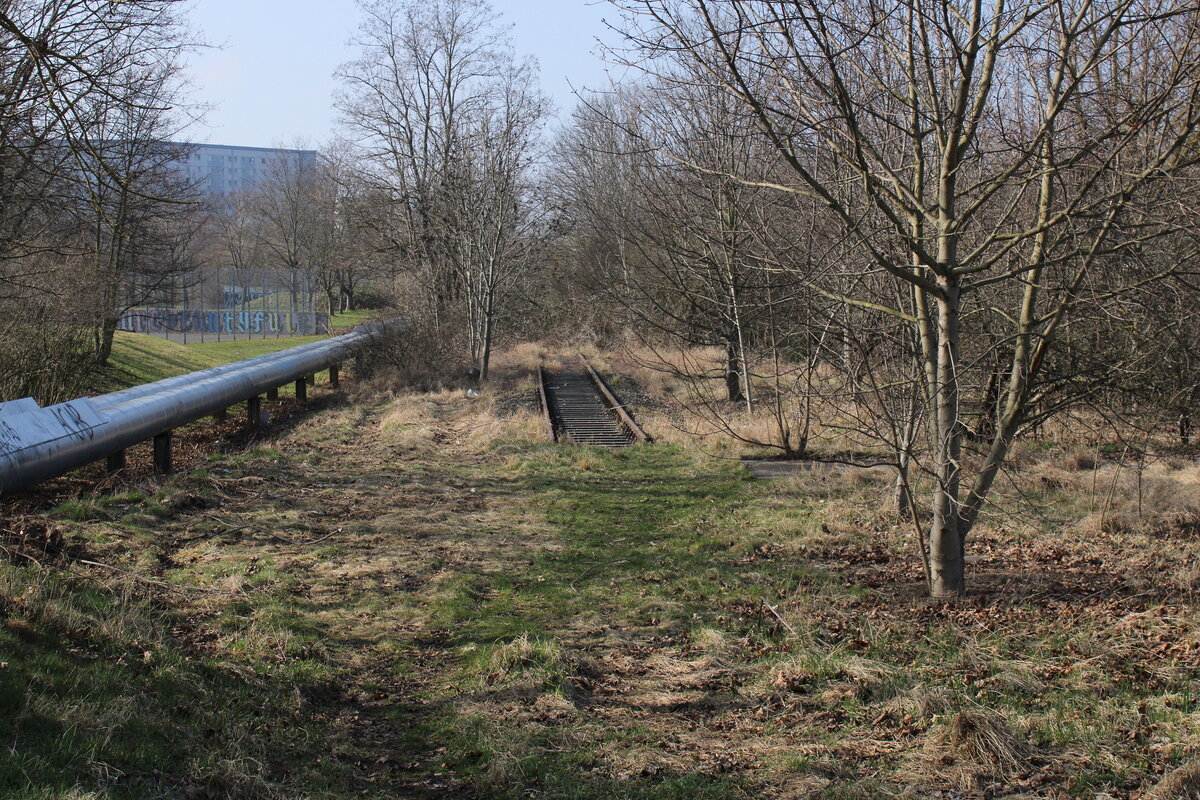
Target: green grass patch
[[241, 349], [138, 358]]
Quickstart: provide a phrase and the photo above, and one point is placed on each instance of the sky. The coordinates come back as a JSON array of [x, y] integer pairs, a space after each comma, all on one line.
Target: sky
[[268, 80]]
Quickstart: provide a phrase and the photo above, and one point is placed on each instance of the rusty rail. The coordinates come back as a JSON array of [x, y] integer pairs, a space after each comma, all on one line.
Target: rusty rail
[[614, 403], [546, 417]]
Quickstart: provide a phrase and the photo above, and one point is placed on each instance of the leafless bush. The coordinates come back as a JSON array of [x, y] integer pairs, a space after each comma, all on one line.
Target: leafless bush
[[41, 356], [415, 354]]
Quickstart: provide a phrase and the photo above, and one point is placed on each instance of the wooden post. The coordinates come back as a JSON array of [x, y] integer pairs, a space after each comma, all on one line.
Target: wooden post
[[302, 389], [254, 411], [221, 415], [273, 393], [162, 453], [333, 375], [115, 461]]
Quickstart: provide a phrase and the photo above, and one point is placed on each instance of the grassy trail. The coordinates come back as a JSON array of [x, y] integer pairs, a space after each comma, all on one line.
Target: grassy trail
[[413, 598]]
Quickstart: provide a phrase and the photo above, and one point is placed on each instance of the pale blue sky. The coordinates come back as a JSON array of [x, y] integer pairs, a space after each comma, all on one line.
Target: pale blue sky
[[272, 83]]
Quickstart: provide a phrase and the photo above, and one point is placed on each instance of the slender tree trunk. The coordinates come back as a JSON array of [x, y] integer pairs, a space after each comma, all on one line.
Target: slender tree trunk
[[104, 339], [485, 356], [733, 372], [945, 536], [903, 497]]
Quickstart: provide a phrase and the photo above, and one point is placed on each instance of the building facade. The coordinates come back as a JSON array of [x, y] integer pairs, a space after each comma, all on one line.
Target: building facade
[[220, 170]]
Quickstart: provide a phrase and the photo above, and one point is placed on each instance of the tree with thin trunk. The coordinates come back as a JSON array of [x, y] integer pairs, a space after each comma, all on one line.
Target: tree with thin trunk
[[446, 122], [963, 147]]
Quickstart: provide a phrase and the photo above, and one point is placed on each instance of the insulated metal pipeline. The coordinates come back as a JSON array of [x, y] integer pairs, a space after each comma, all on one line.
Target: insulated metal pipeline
[[134, 415], [116, 398]]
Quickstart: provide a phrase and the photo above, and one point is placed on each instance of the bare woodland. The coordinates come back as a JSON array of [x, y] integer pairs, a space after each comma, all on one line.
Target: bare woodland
[[930, 227], [976, 178]]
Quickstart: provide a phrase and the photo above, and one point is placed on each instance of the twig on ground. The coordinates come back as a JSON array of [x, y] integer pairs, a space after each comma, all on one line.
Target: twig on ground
[[782, 621], [149, 581], [595, 567]]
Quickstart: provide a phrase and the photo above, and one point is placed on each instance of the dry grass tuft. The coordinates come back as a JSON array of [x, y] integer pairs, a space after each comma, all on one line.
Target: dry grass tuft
[[408, 423], [525, 659], [1180, 784], [921, 702], [984, 737], [520, 360], [1078, 460], [974, 745]]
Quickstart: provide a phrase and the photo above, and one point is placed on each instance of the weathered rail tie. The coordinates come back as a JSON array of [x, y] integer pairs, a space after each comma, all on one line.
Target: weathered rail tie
[[39, 443], [580, 406]]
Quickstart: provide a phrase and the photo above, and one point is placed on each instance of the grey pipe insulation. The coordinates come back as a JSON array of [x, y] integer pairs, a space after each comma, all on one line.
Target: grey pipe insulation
[[39, 443]]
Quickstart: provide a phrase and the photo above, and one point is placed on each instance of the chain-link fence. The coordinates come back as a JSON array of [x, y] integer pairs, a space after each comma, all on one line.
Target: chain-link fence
[[220, 304]]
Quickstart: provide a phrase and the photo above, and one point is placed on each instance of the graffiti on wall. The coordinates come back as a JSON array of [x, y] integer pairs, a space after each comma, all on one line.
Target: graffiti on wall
[[279, 323]]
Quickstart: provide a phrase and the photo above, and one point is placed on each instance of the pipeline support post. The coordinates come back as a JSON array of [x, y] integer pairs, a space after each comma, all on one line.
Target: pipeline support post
[[273, 393], [312, 379], [254, 411], [115, 462], [162, 453], [222, 415], [333, 376], [301, 389]]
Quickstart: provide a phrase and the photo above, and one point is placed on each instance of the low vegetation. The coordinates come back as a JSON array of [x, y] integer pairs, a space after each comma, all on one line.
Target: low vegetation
[[414, 595]]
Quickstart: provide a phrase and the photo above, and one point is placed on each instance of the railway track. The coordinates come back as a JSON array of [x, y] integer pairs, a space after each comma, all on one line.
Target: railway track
[[579, 407]]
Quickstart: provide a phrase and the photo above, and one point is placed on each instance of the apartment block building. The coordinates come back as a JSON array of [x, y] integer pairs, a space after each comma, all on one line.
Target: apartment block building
[[223, 169]]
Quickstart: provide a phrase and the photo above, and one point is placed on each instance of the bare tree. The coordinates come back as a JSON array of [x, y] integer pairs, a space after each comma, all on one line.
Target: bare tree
[[497, 217], [143, 215], [963, 147], [59, 61], [446, 120], [285, 205]]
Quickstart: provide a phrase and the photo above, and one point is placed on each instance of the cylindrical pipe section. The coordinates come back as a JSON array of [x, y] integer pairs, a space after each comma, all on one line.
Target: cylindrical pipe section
[[147, 389], [135, 416]]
